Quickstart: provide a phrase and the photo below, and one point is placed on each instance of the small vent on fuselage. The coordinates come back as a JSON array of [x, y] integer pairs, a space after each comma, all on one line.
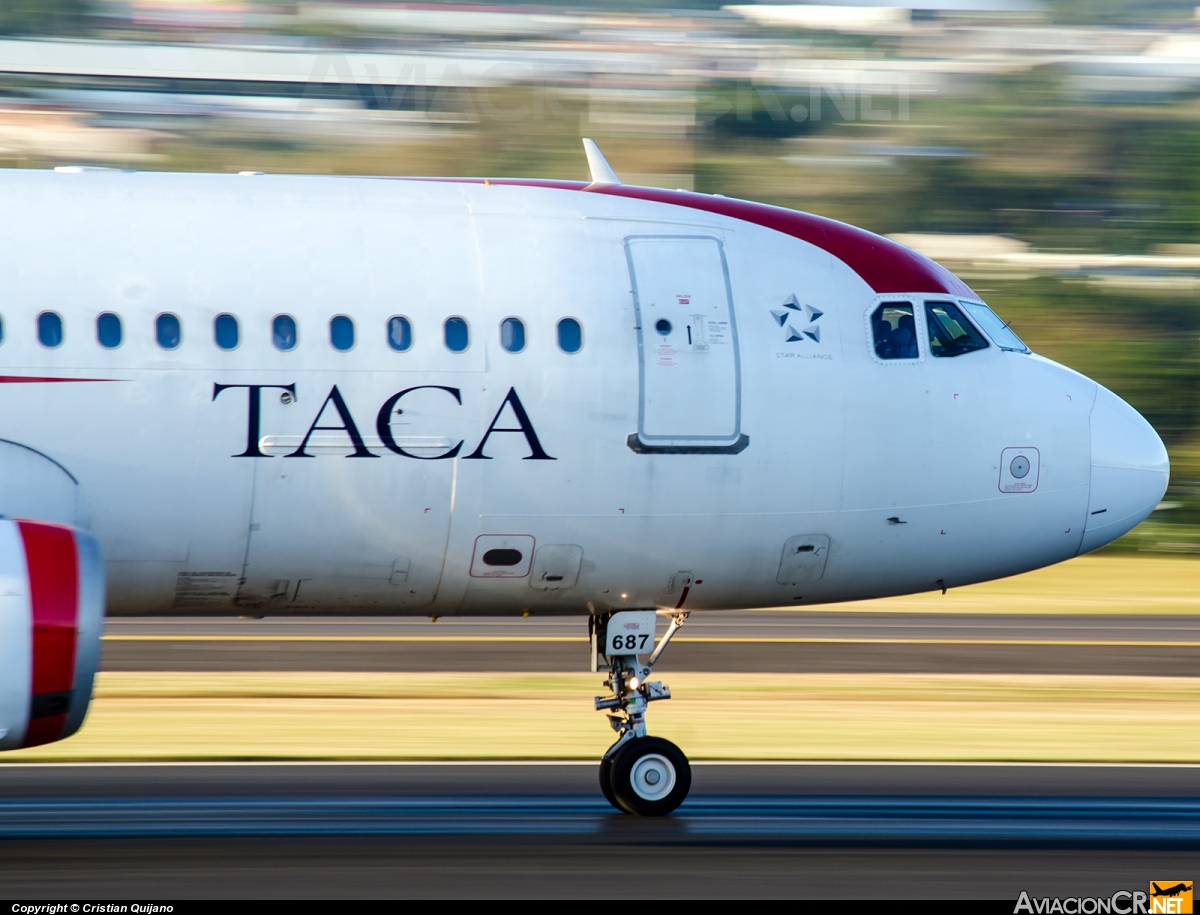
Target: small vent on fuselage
[[502, 557]]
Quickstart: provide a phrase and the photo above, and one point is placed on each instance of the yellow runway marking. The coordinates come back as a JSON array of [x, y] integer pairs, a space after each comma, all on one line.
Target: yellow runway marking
[[344, 638], [904, 641], [720, 640]]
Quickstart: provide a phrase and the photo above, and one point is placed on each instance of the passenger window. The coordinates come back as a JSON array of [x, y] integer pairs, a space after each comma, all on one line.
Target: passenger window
[[341, 333], [895, 331], [108, 330], [283, 332], [951, 334], [167, 331], [512, 335], [399, 334], [570, 335], [225, 331], [457, 335], [49, 329], [1, 330]]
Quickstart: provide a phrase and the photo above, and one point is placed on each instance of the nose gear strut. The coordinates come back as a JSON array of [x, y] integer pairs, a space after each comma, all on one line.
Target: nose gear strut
[[642, 775]]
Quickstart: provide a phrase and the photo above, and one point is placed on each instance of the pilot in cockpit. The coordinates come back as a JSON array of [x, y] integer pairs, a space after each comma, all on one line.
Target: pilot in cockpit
[[895, 332], [903, 339]]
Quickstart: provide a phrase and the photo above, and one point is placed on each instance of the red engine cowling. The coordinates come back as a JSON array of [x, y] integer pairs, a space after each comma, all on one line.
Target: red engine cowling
[[51, 615]]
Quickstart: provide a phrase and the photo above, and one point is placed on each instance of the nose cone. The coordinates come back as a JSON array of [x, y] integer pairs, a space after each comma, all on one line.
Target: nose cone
[[1129, 470]]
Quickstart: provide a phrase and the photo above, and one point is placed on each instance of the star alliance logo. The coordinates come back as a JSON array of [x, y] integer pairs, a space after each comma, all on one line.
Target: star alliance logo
[[794, 313]]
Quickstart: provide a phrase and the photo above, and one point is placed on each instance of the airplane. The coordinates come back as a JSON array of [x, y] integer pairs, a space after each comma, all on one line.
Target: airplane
[[1175, 890], [275, 394]]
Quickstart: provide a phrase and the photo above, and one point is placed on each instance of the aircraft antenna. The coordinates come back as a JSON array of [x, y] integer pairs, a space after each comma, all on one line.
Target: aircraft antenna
[[602, 172]]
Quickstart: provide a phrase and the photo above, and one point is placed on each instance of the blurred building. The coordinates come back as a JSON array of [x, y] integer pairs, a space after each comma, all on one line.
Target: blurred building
[[382, 72]]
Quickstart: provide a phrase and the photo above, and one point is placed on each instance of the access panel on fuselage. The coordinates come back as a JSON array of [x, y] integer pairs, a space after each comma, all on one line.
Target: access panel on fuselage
[[344, 519], [687, 337]]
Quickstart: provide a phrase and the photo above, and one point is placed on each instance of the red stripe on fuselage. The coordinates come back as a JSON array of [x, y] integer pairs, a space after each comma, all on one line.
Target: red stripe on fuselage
[[37, 379], [53, 564], [885, 265]]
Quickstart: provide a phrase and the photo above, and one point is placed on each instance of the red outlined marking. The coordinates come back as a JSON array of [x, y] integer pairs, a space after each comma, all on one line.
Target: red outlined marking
[[53, 564]]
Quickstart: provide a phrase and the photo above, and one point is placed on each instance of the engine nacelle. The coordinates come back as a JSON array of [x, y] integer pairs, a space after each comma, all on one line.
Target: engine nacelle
[[51, 616]]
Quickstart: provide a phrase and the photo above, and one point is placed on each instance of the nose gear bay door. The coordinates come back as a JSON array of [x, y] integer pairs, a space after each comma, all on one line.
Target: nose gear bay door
[[688, 363]]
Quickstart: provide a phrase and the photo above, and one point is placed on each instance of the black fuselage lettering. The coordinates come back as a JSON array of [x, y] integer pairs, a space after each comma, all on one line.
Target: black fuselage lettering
[[254, 412]]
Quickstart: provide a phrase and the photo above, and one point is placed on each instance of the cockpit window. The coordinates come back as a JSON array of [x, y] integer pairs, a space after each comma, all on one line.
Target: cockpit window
[[1000, 332], [951, 334], [895, 331]]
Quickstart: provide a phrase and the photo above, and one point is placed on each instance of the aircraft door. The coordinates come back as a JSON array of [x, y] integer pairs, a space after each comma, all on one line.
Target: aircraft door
[[689, 368]]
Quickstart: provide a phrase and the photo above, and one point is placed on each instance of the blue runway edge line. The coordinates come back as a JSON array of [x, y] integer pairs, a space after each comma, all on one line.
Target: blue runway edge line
[[1121, 821]]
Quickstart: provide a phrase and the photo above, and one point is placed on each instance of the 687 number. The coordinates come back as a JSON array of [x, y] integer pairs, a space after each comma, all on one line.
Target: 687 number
[[631, 642]]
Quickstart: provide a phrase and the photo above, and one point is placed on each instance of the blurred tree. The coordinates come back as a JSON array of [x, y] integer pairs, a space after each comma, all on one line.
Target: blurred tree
[[1169, 165], [42, 17], [1111, 12]]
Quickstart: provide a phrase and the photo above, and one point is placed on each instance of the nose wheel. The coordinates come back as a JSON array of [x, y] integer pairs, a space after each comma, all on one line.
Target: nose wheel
[[641, 775], [648, 777], [606, 788]]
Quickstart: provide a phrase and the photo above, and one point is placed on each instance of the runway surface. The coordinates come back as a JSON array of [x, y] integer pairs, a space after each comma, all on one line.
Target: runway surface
[[768, 641], [525, 830], [888, 831]]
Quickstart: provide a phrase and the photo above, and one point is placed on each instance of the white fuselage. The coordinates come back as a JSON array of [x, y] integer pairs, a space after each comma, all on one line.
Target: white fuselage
[[621, 474]]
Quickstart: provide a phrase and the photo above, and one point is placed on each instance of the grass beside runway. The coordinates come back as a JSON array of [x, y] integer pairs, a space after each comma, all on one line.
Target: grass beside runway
[[401, 716], [1104, 583]]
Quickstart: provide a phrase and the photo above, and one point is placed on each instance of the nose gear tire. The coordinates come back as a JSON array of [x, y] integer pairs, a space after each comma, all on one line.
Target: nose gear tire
[[650, 777], [606, 782]]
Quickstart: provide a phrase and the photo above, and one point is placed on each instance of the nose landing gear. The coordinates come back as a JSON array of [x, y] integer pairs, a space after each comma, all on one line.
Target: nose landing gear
[[645, 776], [649, 776]]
